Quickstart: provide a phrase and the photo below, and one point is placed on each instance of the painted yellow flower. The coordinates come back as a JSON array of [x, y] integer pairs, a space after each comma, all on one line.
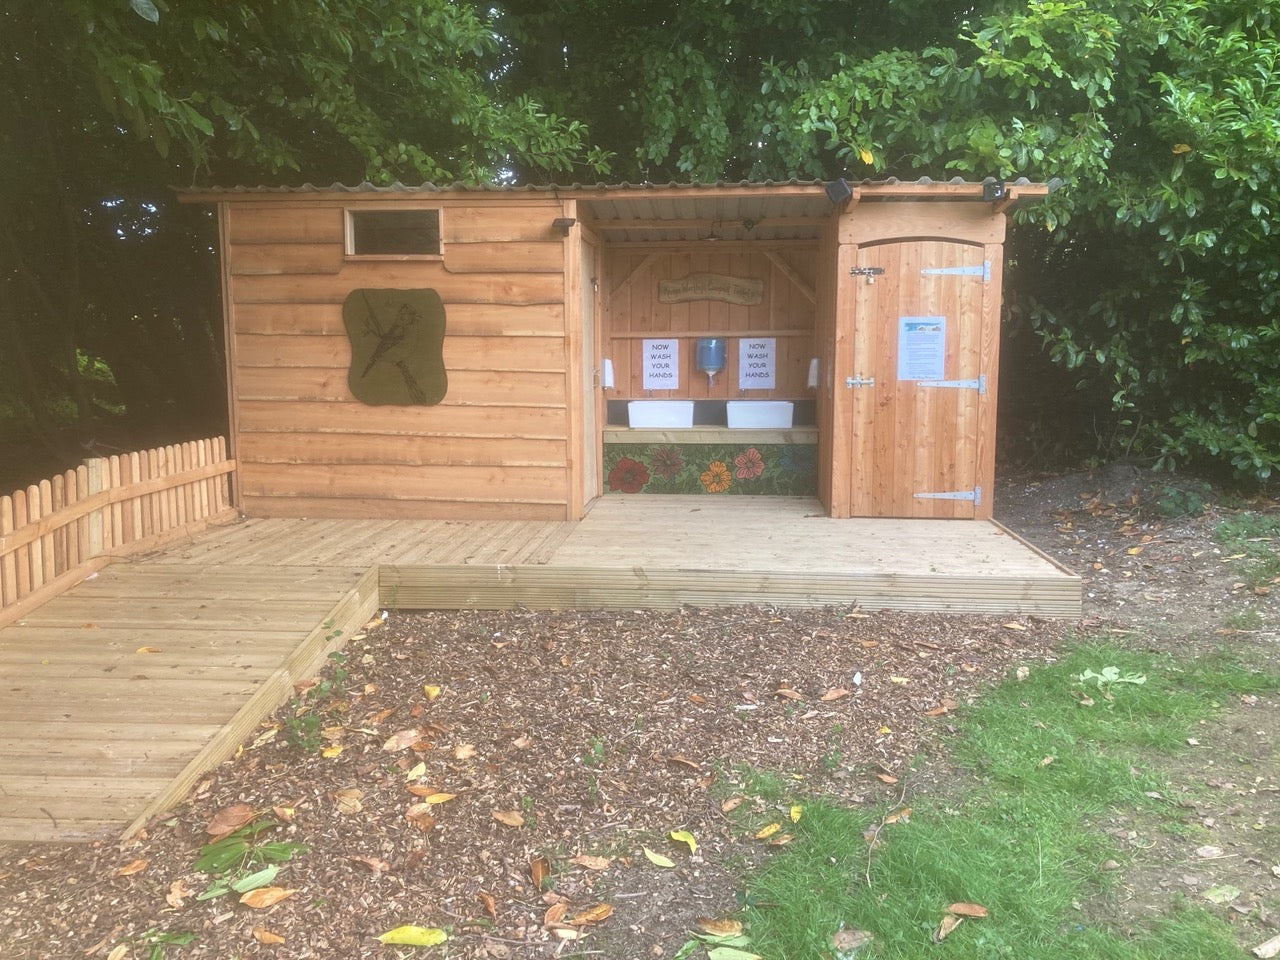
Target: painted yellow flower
[[717, 478]]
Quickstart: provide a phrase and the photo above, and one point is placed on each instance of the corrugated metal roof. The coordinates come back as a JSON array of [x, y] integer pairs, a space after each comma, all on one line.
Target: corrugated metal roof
[[671, 212]]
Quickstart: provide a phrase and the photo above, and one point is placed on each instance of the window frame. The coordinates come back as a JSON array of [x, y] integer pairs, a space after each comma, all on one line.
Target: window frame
[[349, 233]]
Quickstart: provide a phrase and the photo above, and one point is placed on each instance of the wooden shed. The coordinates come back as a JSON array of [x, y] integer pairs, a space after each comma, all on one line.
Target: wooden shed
[[515, 353]]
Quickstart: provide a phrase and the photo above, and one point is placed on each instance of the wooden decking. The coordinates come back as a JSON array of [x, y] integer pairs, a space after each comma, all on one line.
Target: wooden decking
[[120, 693]]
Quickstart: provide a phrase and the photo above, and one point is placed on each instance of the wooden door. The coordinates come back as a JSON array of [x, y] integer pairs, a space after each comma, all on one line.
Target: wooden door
[[919, 390]]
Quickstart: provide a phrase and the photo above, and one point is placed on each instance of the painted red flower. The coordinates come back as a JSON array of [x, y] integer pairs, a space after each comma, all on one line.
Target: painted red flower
[[749, 463], [628, 475]]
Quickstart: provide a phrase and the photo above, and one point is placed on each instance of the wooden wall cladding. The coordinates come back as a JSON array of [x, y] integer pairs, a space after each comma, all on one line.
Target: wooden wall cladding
[[632, 312], [496, 446]]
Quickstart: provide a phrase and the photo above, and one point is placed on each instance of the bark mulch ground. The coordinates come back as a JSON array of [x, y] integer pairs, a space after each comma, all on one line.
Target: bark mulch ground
[[452, 758]]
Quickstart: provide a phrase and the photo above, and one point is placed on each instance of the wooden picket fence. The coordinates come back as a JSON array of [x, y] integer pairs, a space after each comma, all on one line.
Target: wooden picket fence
[[59, 531]]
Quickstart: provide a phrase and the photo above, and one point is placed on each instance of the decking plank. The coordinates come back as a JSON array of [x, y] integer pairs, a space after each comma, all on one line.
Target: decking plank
[[122, 692]]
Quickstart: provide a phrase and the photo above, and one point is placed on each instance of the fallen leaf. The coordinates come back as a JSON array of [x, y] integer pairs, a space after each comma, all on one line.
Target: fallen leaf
[[766, 832], [265, 897], [511, 818], [781, 839], [788, 693], [596, 914], [285, 814], [414, 936], [685, 837], [403, 739], [657, 859], [382, 715], [555, 913], [717, 927], [887, 777], [432, 691], [591, 862], [1014, 625], [835, 693], [439, 797], [331, 751], [967, 910], [464, 751], [847, 941], [130, 868], [697, 698], [899, 679], [949, 923], [1265, 951], [733, 803], [797, 811], [522, 742], [178, 891], [1224, 893], [539, 871], [416, 772], [373, 863], [1208, 852], [902, 814], [681, 759], [349, 799], [263, 935], [419, 814], [118, 952], [230, 819], [731, 953], [1180, 148], [567, 933], [490, 905]]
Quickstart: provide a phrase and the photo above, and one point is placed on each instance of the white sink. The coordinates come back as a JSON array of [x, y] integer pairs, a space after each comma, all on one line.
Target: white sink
[[660, 413], [759, 413]]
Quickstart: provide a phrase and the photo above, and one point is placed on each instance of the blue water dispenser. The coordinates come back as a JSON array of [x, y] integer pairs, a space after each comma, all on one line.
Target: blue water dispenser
[[711, 355]]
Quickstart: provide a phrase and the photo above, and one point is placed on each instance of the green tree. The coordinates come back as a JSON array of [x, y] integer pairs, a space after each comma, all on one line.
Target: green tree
[[111, 102]]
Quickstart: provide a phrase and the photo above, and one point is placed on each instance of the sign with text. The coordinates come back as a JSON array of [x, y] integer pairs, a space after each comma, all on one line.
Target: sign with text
[[661, 364], [922, 348], [711, 286], [757, 363]]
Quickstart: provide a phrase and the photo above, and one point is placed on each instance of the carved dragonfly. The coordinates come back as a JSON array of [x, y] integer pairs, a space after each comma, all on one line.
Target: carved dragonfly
[[390, 338]]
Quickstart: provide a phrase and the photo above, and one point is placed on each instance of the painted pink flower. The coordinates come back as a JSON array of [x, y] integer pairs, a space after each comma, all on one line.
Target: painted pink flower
[[629, 476], [750, 464]]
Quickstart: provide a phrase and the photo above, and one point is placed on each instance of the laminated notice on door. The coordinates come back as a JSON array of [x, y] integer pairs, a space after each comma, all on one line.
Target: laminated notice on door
[[922, 348]]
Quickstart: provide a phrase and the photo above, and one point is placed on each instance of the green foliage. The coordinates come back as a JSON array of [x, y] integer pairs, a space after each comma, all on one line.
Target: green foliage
[[241, 861], [306, 718]]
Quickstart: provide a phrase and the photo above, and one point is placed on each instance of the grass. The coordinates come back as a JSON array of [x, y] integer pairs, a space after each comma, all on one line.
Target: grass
[[1256, 537], [1042, 767]]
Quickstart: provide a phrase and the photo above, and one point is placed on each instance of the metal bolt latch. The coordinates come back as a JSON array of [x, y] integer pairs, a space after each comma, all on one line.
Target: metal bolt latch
[[859, 381]]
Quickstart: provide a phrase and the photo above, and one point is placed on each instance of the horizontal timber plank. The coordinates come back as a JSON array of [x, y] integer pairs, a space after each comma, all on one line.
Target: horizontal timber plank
[[445, 420], [56, 731], [507, 256], [48, 829], [361, 508], [481, 586], [461, 319], [489, 387], [280, 258], [453, 288], [373, 448], [514, 353], [457, 482]]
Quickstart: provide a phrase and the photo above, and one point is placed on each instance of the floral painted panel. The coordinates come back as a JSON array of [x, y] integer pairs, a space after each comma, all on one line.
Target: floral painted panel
[[775, 469]]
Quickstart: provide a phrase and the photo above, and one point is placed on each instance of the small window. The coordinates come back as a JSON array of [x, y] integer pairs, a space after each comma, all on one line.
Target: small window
[[393, 233]]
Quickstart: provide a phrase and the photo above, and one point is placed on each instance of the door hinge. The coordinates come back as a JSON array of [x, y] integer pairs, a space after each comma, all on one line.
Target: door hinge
[[859, 381], [980, 384], [974, 496], [983, 270]]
